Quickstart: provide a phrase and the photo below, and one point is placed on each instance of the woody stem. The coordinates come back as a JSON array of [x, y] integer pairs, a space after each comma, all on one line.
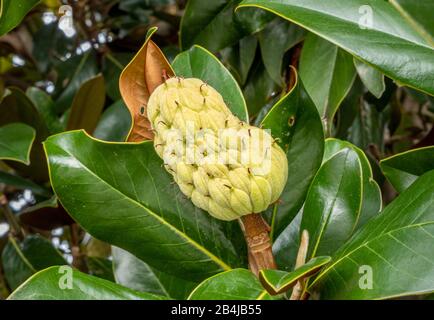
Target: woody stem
[[257, 234], [16, 229]]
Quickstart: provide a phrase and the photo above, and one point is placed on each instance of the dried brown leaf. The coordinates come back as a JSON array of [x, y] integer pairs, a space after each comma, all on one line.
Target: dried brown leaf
[[141, 76]]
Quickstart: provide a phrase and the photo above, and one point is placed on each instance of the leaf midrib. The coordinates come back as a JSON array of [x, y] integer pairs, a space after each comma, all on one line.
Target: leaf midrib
[[199, 247], [365, 244], [412, 41], [334, 200], [206, 26]]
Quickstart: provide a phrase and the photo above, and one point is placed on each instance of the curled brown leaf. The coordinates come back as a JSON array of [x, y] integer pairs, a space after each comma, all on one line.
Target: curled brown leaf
[[146, 71]]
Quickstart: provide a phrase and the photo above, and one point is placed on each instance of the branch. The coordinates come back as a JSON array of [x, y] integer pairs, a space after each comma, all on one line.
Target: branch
[[78, 260], [257, 234], [16, 229]]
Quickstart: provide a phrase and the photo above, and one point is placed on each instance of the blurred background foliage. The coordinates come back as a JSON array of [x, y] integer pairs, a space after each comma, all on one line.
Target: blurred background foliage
[[61, 72]]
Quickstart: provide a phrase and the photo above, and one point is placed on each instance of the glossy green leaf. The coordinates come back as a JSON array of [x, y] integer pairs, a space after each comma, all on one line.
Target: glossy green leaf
[[239, 58], [113, 66], [45, 106], [200, 63], [143, 212], [277, 282], [12, 12], [294, 121], [394, 250], [46, 215], [368, 126], [114, 124], [252, 20], [333, 203], [265, 109], [17, 107], [328, 73], [371, 78], [21, 260], [404, 168], [237, 284], [286, 245], [214, 25], [49, 43], [278, 37], [23, 184], [371, 193], [375, 33], [418, 15], [100, 267], [74, 72], [347, 113], [135, 274], [54, 284], [87, 105], [259, 89], [16, 141]]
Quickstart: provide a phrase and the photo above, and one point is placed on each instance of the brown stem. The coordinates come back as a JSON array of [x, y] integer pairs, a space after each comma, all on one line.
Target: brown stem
[[16, 229], [77, 256], [256, 232]]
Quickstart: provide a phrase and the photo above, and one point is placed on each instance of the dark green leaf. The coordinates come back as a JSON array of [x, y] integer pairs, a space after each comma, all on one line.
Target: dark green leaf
[[100, 267], [374, 32], [21, 183], [368, 127], [135, 274], [50, 43], [87, 105], [259, 89], [239, 58], [115, 123], [113, 66], [252, 20], [371, 78], [214, 25], [52, 284], [45, 106], [404, 168], [200, 63], [16, 141], [74, 72], [285, 246], [333, 203], [238, 284], [327, 73], [418, 15], [11, 13], [143, 212], [278, 37], [277, 282], [347, 113], [371, 193], [395, 248], [21, 260], [17, 107], [295, 122]]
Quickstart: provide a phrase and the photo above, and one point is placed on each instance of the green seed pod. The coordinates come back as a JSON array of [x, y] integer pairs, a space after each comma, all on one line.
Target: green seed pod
[[225, 166]]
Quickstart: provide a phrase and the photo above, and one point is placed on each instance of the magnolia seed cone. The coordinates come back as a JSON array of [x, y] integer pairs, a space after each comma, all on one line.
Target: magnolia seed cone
[[225, 166]]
